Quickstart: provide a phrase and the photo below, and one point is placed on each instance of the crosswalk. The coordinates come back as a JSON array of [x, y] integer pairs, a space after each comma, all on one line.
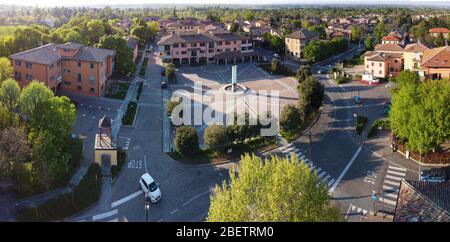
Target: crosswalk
[[124, 142], [391, 185], [323, 175]]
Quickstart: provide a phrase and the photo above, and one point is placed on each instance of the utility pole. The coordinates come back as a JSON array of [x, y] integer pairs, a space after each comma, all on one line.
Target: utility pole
[[147, 206]]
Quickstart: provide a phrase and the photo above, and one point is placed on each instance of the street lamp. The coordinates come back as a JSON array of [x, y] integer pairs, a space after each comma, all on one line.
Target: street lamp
[[309, 133]]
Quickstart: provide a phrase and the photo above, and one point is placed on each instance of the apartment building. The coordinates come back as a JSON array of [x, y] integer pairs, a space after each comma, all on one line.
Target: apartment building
[[436, 31], [69, 67], [215, 46], [385, 61], [412, 57], [296, 41]]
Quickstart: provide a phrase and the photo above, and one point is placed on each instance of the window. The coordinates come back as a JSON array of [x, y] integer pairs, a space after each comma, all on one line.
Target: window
[[28, 77], [183, 52], [219, 43], [234, 42], [175, 45], [29, 65], [79, 64], [211, 51], [79, 77], [92, 79], [202, 44], [183, 45], [395, 61], [67, 70], [91, 90], [177, 52], [51, 66], [379, 72], [194, 45], [227, 50], [373, 64], [227, 42], [92, 65], [219, 50], [416, 65], [66, 83], [18, 76], [79, 88], [380, 64], [367, 66], [234, 49], [17, 62]]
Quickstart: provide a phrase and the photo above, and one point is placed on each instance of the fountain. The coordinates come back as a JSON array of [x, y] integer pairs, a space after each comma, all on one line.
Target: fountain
[[234, 88]]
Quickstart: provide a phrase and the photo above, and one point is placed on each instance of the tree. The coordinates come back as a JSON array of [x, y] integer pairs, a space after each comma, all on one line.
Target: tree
[[407, 77], [154, 28], [357, 33], [369, 43], [316, 50], [234, 27], [56, 115], [186, 140], [338, 45], [275, 66], [274, 190], [290, 118], [380, 30], [32, 95], [277, 44], [303, 73], [216, 138], [170, 105], [310, 95], [6, 69], [320, 30], [419, 114], [26, 38], [170, 73], [95, 30], [124, 55], [239, 132], [7, 118], [9, 93], [439, 40], [49, 162], [14, 149]]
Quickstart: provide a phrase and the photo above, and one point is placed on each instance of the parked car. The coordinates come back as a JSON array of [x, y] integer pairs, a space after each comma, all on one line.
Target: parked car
[[433, 175], [319, 72], [163, 84], [276, 56], [150, 187], [163, 72], [357, 99]]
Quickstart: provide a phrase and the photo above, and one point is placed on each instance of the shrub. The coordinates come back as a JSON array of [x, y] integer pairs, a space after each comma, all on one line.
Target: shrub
[[170, 105], [290, 118], [216, 138], [128, 118], [311, 94], [139, 90], [360, 123], [275, 66], [186, 140]]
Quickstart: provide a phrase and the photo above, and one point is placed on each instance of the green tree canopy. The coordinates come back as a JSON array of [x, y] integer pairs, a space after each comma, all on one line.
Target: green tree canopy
[[9, 93], [124, 55], [311, 94], [274, 190], [32, 95], [380, 30], [290, 118], [186, 140], [303, 73], [217, 138], [6, 69], [419, 114]]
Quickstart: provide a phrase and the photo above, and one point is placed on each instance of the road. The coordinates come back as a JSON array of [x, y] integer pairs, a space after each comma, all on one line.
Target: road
[[354, 166]]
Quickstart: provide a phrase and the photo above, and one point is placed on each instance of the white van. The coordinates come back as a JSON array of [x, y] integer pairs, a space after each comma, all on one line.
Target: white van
[[150, 187]]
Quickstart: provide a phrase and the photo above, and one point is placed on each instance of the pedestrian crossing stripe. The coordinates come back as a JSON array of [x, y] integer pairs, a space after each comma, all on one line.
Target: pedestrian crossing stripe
[[392, 183], [330, 183], [396, 173], [322, 174], [387, 201], [326, 178], [319, 169], [392, 195], [389, 188], [397, 168], [393, 177]]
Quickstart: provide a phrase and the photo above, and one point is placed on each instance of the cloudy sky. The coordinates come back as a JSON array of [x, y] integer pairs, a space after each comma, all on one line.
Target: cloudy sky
[[112, 2]]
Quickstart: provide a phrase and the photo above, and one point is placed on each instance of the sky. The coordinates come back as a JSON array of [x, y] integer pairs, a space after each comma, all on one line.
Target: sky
[[113, 2]]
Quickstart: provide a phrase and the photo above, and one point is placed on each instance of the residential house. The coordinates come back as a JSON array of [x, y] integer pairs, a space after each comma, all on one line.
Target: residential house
[[69, 67], [214, 46], [436, 63], [436, 31], [385, 61], [412, 57], [420, 201], [296, 41]]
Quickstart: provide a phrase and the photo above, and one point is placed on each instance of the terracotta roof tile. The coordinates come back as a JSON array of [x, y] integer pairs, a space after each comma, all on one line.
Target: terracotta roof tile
[[437, 57], [302, 34], [416, 47], [388, 47], [439, 30]]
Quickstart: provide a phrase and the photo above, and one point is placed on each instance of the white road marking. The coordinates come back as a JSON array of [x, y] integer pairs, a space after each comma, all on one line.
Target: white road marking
[[195, 197], [319, 169], [348, 211], [326, 178], [397, 168], [392, 195], [126, 199], [330, 182], [331, 190], [389, 188], [396, 173], [104, 215], [322, 174], [390, 202], [174, 211], [114, 220], [391, 183], [393, 177]]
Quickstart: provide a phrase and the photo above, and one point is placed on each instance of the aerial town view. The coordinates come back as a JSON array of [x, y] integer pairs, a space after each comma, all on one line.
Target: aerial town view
[[224, 111]]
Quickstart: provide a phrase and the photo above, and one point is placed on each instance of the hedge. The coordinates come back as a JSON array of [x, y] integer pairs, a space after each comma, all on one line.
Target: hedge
[[139, 90], [67, 204], [128, 118]]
